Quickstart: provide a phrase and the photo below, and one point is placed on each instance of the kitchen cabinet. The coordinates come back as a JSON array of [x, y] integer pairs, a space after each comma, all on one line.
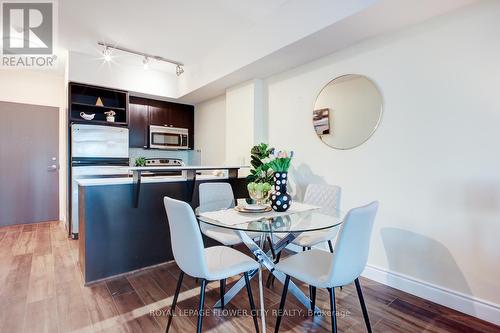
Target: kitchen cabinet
[[182, 116], [145, 112], [138, 123], [158, 113]]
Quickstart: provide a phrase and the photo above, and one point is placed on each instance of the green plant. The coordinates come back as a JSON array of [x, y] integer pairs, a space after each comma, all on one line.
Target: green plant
[[281, 161], [140, 162], [260, 172]]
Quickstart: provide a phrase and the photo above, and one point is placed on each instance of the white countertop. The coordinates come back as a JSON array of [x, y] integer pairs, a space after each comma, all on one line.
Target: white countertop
[[188, 167], [144, 180]]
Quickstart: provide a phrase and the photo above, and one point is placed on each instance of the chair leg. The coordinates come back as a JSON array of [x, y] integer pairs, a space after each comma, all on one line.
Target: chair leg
[[282, 304], [174, 301], [363, 305], [271, 247], [252, 303], [200, 307], [278, 257], [333, 309], [312, 296], [330, 245], [222, 292]]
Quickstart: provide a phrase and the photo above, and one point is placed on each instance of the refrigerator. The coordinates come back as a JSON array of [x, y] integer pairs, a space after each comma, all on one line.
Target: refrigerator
[[96, 152]]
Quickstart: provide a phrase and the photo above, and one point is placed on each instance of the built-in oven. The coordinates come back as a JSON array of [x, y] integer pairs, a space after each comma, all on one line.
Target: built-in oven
[[163, 137]]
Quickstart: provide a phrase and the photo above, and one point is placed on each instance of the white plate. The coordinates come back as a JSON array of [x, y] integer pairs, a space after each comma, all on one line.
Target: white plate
[[255, 207], [244, 209]]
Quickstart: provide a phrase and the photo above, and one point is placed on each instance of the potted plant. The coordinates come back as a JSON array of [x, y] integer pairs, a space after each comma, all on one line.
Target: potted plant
[[140, 162], [261, 176]]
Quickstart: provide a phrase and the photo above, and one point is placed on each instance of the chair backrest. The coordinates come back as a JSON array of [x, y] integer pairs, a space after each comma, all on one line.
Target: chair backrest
[[215, 196], [350, 253], [185, 236], [325, 196]]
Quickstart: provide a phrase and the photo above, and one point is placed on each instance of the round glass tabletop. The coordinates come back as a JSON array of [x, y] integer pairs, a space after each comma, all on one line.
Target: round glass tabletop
[[310, 220]]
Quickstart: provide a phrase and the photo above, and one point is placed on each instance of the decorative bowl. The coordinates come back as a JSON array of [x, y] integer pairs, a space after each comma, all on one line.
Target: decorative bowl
[[87, 116], [259, 197]]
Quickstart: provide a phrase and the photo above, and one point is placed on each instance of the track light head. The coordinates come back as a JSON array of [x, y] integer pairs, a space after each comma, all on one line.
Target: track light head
[[145, 62], [179, 70], [107, 54]]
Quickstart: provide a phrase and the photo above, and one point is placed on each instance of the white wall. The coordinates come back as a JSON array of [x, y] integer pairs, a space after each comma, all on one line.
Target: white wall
[[246, 120], [32, 87], [210, 131], [120, 73], [433, 163], [239, 123], [40, 88]]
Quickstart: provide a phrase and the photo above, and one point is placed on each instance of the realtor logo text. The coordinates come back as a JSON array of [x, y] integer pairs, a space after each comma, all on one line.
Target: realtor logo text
[[27, 34]]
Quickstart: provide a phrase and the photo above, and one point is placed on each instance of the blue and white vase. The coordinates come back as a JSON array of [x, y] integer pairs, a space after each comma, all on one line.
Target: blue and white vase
[[280, 199]]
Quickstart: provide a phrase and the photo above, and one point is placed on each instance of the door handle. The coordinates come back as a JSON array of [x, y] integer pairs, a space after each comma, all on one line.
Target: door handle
[[53, 167]]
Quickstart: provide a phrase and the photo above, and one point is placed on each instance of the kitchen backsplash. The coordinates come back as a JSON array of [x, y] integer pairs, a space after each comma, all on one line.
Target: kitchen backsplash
[[190, 157]]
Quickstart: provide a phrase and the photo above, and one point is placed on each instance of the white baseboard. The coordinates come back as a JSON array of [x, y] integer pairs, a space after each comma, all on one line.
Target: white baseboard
[[458, 301]]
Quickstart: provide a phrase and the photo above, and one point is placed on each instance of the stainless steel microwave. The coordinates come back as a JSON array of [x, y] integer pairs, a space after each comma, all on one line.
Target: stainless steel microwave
[[163, 137]]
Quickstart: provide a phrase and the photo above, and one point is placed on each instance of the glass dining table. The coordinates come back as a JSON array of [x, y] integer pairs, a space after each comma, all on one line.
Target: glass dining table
[[281, 229]]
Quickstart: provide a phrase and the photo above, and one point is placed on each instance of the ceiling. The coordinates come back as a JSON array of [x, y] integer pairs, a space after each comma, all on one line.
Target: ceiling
[[225, 42], [181, 30]]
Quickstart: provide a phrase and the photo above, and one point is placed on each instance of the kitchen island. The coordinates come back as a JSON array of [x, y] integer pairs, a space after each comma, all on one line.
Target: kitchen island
[[121, 232]]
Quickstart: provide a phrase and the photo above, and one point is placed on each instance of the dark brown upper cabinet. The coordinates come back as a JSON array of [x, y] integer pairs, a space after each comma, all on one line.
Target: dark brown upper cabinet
[[138, 123], [158, 113], [145, 112]]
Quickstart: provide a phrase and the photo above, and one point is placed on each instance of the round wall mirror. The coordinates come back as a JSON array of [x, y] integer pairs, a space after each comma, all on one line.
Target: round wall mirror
[[347, 111]]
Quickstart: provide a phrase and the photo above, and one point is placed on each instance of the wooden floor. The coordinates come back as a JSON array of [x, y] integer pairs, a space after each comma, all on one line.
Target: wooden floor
[[41, 290]]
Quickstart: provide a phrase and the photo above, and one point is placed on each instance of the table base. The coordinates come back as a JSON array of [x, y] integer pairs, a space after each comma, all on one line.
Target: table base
[[265, 261]]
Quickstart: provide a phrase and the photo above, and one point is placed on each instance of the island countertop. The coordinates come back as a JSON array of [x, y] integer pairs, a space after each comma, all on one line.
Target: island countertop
[[129, 180], [189, 167]]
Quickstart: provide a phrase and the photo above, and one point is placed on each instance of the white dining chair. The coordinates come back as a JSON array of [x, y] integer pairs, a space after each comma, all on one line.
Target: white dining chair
[[210, 264], [321, 269], [217, 196], [328, 198]]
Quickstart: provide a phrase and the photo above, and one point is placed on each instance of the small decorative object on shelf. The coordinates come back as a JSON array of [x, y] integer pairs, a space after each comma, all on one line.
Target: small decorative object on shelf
[[259, 192], [280, 199], [87, 116], [110, 116], [99, 102]]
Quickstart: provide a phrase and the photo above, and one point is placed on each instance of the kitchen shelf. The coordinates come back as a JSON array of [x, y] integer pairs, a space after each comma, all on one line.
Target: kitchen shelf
[[83, 97], [114, 108], [97, 122]]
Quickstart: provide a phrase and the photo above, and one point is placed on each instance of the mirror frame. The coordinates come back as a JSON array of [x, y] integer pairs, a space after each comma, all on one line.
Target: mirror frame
[[374, 128]]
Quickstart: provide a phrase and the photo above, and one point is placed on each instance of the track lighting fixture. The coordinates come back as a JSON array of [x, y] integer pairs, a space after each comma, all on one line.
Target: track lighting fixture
[[146, 57]]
